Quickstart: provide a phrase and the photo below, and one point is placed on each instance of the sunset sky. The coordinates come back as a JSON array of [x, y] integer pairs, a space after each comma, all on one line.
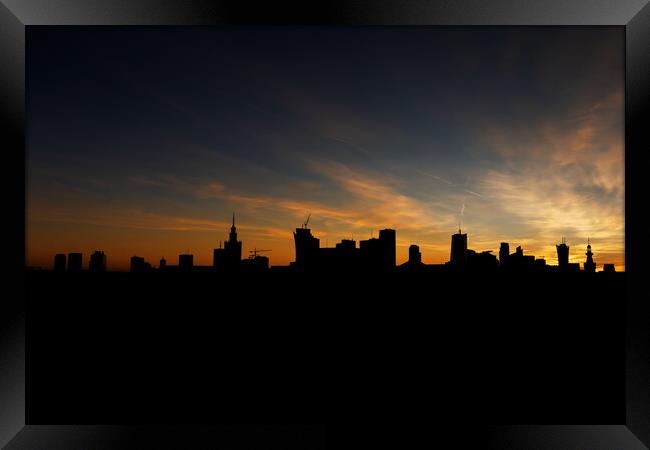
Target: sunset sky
[[143, 141]]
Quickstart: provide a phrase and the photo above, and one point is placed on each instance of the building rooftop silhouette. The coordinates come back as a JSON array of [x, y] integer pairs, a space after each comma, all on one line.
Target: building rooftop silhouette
[[371, 255]]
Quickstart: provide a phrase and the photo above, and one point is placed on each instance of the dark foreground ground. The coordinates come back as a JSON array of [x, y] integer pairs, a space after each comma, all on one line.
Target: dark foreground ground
[[198, 348]]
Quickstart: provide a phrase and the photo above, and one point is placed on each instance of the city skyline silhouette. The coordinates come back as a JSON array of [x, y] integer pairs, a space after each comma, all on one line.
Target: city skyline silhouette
[[408, 129], [370, 255], [266, 219]]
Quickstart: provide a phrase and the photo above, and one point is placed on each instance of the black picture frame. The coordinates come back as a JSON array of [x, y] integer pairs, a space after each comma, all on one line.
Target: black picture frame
[[16, 15]]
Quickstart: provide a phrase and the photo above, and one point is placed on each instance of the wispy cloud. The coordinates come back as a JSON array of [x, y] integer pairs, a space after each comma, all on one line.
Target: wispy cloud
[[458, 187], [564, 178], [524, 150]]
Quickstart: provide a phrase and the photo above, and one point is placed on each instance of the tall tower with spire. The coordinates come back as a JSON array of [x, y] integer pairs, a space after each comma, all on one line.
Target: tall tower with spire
[[590, 265], [233, 230], [232, 245], [228, 257]]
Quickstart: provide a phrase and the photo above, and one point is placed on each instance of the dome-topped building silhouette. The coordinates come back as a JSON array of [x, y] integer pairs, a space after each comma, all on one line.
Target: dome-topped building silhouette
[[590, 265]]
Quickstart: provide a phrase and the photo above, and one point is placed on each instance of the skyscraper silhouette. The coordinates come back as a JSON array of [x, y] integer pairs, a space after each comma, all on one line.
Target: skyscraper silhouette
[[228, 257], [458, 249], [504, 252], [387, 239], [219, 257], [563, 255], [306, 247], [232, 245]]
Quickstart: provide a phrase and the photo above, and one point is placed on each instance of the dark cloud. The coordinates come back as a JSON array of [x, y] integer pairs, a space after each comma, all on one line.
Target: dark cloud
[[522, 125]]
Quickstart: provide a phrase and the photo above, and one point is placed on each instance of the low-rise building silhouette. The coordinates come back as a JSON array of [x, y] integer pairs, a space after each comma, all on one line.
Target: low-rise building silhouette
[[59, 262], [138, 264], [257, 263], [573, 267], [609, 268], [378, 254], [415, 257], [518, 262], [343, 257], [483, 261], [347, 244], [414, 263], [185, 262], [97, 262], [74, 262]]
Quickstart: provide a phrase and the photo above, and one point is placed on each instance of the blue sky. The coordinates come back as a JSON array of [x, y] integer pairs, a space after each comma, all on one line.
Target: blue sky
[[142, 141]]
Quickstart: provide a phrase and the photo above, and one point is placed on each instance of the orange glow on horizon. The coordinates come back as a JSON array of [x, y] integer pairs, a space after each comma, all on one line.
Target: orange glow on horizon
[[155, 244], [513, 149]]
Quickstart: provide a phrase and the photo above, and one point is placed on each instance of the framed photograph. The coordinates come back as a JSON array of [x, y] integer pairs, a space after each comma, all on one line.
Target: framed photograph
[[336, 221]]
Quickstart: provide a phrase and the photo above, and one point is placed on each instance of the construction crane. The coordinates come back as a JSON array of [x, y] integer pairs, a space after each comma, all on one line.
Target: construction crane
[[304, 225], [255, 251]]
